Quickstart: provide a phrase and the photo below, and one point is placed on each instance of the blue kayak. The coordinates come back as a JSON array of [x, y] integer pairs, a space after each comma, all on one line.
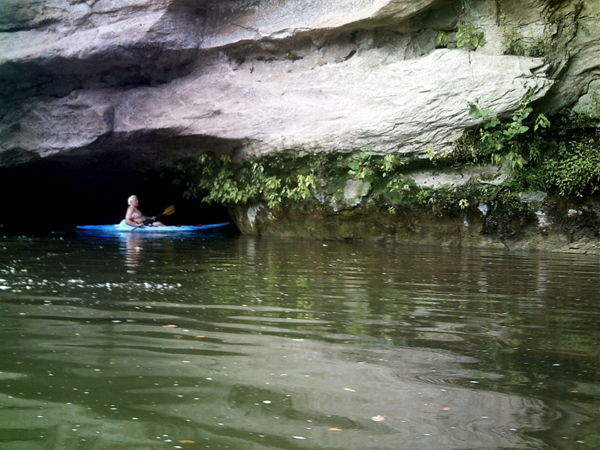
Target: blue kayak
[[123, 226]]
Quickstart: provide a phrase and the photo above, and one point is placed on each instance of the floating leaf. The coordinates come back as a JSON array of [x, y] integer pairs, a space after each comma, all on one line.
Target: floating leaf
[[349, 390], [200, 336], [334, 429], [186, 441], [169, 326], [445, 408], [298, 437], [378, 418], [178, 336]]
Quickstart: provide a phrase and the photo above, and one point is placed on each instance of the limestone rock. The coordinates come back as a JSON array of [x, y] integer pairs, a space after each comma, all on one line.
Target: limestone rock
[[354, 192], [581, 47], [386, 104], [494, 175], [95, 76]]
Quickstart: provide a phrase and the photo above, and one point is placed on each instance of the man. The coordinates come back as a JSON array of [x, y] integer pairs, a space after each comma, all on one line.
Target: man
[[134, 216]]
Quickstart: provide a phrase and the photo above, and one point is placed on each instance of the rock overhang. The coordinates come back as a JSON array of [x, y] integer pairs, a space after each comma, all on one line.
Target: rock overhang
[[173, 66]]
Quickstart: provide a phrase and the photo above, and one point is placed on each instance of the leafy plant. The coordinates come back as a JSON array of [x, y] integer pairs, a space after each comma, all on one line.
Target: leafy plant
[[278, 179], [502, 142], [513, 42], [541, 122], [541, 47], [564, 159], [575, 168], [469, 36], [361, 167], [442, 39]]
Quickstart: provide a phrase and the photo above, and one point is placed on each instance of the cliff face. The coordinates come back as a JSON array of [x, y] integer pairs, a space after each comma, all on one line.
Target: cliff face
[[138, 84], [255, 75]]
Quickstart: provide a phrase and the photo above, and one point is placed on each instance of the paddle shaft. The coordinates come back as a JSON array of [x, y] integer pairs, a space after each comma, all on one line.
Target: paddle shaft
[[170, 210], [149, 221]]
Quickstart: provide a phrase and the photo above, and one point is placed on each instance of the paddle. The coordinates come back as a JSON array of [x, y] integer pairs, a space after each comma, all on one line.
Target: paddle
[[170, 210]]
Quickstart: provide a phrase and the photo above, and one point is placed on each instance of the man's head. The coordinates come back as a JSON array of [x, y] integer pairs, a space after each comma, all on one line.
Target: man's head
[[130, 199]]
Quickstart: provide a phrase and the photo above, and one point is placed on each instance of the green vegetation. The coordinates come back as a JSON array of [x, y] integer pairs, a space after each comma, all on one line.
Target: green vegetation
[[512, 42], [268, 179], [498, 142], [318, 180], [442, 39], [573, 169], [541, 47], [515, 44], [469, 36], [561, 157], [290, 178]]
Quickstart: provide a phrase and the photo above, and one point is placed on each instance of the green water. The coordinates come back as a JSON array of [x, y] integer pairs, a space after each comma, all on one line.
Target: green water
[[216, 341]]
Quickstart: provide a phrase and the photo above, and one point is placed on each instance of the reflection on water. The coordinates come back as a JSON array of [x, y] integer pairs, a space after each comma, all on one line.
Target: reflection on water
[[133, 248], [132, 341]]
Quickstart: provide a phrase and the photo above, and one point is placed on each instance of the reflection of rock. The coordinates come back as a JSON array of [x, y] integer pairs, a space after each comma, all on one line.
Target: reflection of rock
[[64, 423], [311, 386], [315, 355], [281, 387]]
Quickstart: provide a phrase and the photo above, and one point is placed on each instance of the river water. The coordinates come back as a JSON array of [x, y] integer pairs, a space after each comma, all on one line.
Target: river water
[[219, 341]]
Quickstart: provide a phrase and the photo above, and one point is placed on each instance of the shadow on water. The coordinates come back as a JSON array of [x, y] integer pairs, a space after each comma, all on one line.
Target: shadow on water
[[137, 341]]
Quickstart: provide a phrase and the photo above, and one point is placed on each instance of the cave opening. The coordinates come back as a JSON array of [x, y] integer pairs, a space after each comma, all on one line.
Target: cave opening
[[46, 195]]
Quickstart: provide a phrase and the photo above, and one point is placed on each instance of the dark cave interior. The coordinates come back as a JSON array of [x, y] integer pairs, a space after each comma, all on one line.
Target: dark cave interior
[[51, 196]]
